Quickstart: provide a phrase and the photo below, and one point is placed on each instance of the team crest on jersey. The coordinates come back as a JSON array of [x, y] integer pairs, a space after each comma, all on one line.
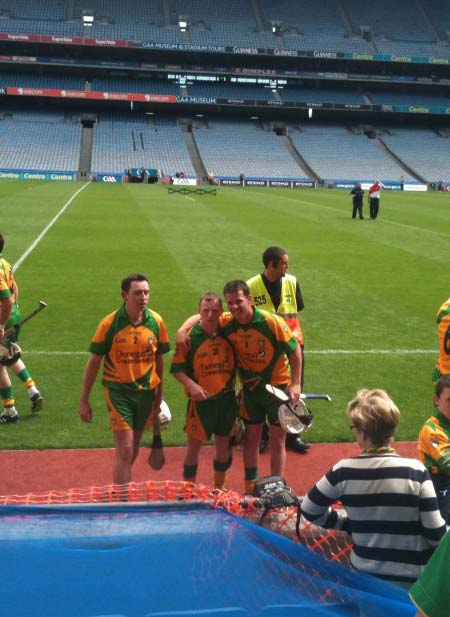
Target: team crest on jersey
[[151, 340], [286, 328], [261, 351]]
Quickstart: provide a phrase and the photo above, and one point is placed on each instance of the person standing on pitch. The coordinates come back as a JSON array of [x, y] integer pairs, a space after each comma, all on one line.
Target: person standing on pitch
[[443, 331], [266, 352], [207, 372], [279, 292], [374, 198], [357, 195], [131, 342], [9, 316]]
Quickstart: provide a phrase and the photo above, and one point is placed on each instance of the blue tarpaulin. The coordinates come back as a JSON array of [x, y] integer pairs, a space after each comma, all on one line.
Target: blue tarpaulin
[[172, 560]]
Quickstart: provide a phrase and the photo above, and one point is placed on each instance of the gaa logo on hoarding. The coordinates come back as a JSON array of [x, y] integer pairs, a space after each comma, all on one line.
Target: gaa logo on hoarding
[[109, 179]]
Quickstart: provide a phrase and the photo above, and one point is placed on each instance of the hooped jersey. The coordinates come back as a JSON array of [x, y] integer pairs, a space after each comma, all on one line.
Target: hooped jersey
[[288, 305], [130, 351], [434, 444], [443, 329], [209, 362], [261, 347], [6, 279]]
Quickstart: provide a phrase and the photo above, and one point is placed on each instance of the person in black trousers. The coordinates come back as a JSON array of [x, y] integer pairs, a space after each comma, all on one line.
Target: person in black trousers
[[357, 195], [374, 198]]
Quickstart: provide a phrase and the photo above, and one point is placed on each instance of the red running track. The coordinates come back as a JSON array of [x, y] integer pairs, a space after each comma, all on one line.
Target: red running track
[[36, 471]]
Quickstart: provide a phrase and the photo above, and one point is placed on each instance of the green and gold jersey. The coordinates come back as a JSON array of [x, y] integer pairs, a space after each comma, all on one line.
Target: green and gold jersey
[[6, 279], [443, 324], [261, 347], [209, 362], [130, 351], [434, 444]]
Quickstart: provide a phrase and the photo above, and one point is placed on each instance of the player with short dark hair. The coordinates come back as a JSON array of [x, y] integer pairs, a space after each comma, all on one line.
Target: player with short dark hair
[[10, 316], [266, 352], [357, 195], [279, 292], [434, 445], [207, 372], [443, 331], [131, 342]]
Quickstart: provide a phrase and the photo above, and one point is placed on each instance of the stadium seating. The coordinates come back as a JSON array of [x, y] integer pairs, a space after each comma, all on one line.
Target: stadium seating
[[384, 97], [424, 150], [119, 144], [336, 153], [229, 91], [331, 25], [137, 85], [232, 147], [321, 95], [39, 80], [35, 141]]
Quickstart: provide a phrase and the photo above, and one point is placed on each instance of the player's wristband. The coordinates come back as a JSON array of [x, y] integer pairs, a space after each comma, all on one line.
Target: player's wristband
[[157, 441]]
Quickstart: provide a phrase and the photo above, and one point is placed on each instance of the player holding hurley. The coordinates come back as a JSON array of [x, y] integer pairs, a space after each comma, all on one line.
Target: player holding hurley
[[9, 316], [131, 342], [279, 292], [266, 352]]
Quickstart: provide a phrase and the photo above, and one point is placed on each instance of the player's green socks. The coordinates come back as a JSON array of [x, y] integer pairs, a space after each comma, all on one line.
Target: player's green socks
[[190, 473], [7, 397], [26, 378]]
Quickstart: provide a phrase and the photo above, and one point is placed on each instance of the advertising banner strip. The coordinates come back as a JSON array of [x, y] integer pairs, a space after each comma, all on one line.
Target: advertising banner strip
[[37, 175], [82, 94], [239, 50]]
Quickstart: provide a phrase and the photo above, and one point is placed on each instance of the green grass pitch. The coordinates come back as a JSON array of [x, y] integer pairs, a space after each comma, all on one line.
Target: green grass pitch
[[371, 289]]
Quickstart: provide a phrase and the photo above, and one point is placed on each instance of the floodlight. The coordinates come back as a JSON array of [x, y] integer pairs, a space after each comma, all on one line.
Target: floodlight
[[276, 27], [87, 17], [183, 23]]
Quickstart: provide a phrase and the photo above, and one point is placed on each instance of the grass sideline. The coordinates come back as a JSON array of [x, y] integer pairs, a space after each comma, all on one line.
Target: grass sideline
[[371, 289]]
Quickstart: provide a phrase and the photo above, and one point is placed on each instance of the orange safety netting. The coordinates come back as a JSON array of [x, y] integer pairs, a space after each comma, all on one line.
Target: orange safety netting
[[332, 545]]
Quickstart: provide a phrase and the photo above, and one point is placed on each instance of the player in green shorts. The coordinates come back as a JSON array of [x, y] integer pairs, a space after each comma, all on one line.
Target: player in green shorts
[[207, 372], [267, 352], [9, 316], [130, 342]]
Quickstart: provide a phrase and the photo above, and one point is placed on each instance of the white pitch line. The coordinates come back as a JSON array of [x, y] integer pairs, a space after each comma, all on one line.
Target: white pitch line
[[371, 351], [330, 352], [44, 231]]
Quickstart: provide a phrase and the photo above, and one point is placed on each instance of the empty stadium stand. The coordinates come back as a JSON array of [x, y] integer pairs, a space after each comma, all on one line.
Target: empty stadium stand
[[230, 148], [119, 144], [39, 141], [336, 153]]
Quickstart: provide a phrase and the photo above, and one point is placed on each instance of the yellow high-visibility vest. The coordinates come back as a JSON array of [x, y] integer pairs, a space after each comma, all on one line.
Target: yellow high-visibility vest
[[288, 303]]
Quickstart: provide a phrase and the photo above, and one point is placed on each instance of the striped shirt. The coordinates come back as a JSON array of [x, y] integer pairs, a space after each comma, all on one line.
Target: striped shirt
[[390, 510]]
